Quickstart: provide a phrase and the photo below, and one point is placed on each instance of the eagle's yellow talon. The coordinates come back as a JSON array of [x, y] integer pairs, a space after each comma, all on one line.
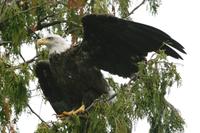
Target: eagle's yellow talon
[[80, 110], [73, 112]]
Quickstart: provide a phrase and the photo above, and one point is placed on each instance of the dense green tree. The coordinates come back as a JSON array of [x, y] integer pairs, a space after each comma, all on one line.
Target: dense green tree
[[23, 21]]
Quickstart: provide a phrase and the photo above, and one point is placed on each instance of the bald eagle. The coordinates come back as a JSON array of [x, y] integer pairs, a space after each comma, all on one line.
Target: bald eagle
[[71, 77]]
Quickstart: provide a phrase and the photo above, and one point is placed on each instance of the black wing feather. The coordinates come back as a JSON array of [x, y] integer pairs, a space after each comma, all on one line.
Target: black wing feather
[[116, 45]]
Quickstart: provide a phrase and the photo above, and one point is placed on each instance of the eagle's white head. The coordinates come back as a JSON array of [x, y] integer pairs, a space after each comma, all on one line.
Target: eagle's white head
[[55, 44]]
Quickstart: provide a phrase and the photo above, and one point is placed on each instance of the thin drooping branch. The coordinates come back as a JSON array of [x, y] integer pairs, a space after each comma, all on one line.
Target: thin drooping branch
[[25, 62], [4, 42], [92, 104], [31, 60], [138, 6], [36, 114], [28, 61], [22, 57], [100, 100], [30, 31], [48, 16], [45, 25], [21, 64]]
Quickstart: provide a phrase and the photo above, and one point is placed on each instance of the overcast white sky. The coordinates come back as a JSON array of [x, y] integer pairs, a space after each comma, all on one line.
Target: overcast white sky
[[181, 20]]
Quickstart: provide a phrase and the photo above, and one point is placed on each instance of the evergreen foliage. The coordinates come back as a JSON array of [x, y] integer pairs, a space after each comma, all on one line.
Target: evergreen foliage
[[142, 97], [23, 21]]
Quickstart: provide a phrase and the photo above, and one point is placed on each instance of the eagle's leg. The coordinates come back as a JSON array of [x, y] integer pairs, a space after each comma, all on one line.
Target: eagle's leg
[[73, 112]]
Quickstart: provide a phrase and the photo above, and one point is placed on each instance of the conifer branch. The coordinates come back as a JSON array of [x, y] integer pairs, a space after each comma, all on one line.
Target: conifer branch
[[24, 11], [3, 5]]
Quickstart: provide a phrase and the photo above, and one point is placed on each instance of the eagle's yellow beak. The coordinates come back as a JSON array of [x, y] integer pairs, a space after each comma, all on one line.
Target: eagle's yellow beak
[[42, 41]]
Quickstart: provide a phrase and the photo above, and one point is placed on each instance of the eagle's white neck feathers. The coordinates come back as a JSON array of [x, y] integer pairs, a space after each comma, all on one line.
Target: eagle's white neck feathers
[[57, 44], [58, 49]]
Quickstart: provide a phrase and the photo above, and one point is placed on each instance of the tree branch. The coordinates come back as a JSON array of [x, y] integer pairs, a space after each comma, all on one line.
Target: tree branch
[[22, 57], [36, 114], [28, 61], [138, 6], [92, 104], [4, 42], [100, 100], [25, 62], [31, 60], [29, 30], [42, 19], [44, 25]]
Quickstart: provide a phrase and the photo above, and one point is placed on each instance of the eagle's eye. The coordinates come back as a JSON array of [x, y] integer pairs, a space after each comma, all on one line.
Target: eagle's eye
[[50, 38]]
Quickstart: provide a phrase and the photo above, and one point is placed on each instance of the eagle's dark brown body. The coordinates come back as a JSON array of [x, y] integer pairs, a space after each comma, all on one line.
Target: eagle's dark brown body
[[70, 81]]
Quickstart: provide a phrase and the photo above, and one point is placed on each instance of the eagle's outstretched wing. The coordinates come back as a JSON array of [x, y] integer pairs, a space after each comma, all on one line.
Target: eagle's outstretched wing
[[116, 45]]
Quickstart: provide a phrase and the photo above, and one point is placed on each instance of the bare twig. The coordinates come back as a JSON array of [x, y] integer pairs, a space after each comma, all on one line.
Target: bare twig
[[19, 65], [22, 57], [111, 97], [25, 62], [100, 100], [30, 31], [93, 103], [44, 25], [31, 60], [42, 19], [4, 42], [138, 6], [36, 114]]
